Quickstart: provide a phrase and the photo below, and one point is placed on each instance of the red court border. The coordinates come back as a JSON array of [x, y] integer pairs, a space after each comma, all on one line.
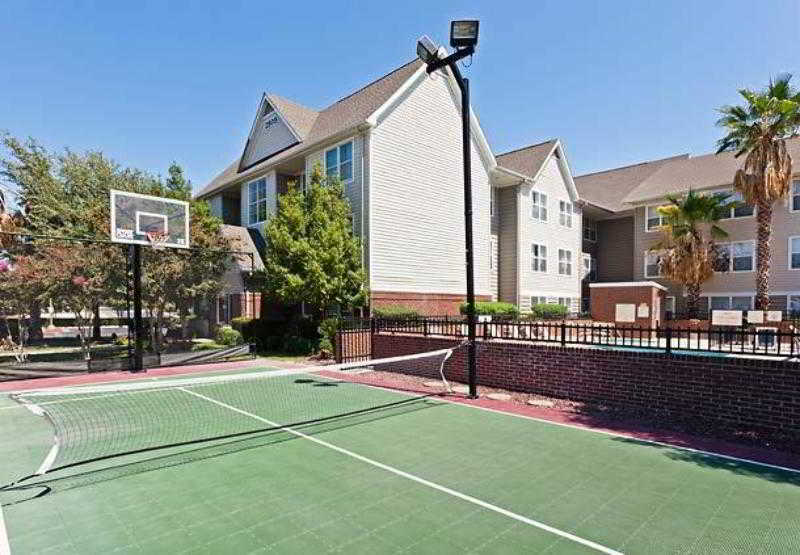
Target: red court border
[[557, 416]]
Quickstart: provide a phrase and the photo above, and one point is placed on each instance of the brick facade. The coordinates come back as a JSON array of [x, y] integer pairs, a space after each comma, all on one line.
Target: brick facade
[[737, 395], [427, 304], [604, 298]]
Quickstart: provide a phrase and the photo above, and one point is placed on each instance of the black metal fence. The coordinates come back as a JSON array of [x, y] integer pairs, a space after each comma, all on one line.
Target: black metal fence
[[770, 341]]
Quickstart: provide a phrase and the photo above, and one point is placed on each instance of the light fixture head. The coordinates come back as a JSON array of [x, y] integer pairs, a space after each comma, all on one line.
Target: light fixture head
[[427, 49], [464, 33]]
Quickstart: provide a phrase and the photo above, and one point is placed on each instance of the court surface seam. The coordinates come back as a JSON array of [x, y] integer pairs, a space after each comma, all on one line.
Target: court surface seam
[[417, 479]]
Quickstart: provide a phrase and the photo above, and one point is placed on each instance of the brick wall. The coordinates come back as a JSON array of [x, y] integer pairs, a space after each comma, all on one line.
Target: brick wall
[[735, 394], [427, 304]]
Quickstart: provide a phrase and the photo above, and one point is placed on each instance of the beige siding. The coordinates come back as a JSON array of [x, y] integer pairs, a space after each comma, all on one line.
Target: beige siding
[[783, 281], [615, 247], [416, 196], [270, 135], [507, 199], [552, 235]]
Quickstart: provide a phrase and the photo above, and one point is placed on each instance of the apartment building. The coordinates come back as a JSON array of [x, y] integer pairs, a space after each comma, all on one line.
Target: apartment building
[[621, 221], [396, 145]]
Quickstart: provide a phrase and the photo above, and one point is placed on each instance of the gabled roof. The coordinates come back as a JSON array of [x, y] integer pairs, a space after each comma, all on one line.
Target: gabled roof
[[607, 189], [696, 172], [341, 116], [527, 160]]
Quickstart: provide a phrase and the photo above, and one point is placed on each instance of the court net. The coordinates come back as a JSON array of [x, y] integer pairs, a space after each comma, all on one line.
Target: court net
[[99, 422]]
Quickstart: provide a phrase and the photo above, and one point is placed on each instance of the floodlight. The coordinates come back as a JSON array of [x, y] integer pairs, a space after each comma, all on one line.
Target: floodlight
[[463, 33], [427, 49]]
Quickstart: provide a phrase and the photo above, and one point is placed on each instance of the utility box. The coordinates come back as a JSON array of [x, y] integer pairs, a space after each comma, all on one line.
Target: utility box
[[631, 303]]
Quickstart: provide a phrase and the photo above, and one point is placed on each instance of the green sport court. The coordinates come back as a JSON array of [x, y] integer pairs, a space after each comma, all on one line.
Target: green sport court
[[316, 462]]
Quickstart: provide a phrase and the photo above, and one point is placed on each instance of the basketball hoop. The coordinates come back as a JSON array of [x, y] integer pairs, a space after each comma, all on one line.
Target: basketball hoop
[[157, 239]]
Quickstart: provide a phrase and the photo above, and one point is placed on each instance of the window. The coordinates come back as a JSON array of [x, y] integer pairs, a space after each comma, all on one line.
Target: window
[[794, 200], [741, 210], [589, 231], [565, 301], [794, 305], [669, 305], [564, 262], [538, 300], [730, 302], [794, 253], [538, 258], [654, 219], [538, 206], [589, 267], [565, 213], [735, 257], [257, 201], [339, 161], [652, 264]]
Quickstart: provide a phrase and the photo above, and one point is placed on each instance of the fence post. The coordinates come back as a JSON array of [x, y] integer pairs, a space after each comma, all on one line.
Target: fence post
[[425, 328], [669, 341], [563, 334], [338, 346]]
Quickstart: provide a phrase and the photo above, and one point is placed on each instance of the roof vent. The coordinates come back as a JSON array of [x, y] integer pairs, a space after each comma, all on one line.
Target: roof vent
[[268, 109]]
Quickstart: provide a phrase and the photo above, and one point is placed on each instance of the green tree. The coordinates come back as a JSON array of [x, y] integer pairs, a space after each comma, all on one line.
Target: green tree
[[312, 255], [177, 184], [759, 129], [687, 251], [67, 195]]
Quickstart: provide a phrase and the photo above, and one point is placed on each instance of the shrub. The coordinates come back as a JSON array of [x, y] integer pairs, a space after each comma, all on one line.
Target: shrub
[[295, 345], [549, 311], [327, 329], [507, 310], [397, 311], [240, 323], [325, 348], [228, 336]]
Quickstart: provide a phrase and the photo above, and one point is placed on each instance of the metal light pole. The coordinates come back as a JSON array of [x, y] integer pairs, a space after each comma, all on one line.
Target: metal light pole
[[463, 37]]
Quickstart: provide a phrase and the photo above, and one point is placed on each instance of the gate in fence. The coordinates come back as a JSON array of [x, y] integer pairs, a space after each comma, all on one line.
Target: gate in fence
[[354, 341]]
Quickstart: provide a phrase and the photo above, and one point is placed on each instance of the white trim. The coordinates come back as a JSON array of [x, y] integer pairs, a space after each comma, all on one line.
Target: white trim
[[414, 478], [789, 261], [646, 219], [629, 284], [387, 106], [336, 147], [795, 181], [151, 215], [646, 275], [544, 258], [730, 269]]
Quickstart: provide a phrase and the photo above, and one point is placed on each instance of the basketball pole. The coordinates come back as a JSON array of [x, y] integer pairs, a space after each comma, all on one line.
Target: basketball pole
[[138, 363]]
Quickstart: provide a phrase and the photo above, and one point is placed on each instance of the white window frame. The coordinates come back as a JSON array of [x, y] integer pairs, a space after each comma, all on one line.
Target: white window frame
[[738, 198], [789, 262], [667, 302], [647, 255], [538, 298], [589, 268], [565, 301], [537, 261], [540, 207], [794, 192], [257, 202], [566, 261], [730, 298], [730, 269], [789, 301], [338, 149], [591, 227], [565, 212], [647, 227]]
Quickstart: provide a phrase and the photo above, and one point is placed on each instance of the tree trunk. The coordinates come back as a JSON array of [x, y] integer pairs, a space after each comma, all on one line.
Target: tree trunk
[[96, 322], [35, 328], [692, 299], [763, 254]]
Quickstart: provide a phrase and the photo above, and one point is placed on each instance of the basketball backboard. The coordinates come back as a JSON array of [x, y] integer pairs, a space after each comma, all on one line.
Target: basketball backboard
[[133, 216]]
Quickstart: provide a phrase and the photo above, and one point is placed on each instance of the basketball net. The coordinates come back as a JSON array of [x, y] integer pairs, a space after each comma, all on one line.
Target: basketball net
[[157, 239]]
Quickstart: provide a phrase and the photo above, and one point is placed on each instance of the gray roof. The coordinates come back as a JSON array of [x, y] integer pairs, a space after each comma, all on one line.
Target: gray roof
[[608, 188], [316, 127], [527, 160], [242, 241], [696, 172]]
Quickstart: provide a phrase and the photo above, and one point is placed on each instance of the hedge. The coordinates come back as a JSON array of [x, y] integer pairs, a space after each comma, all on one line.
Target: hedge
[[493, 309], [397, 312], [549, 311]]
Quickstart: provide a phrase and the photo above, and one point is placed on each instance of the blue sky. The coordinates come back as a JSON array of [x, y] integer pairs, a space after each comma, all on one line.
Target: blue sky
[[149, 82]]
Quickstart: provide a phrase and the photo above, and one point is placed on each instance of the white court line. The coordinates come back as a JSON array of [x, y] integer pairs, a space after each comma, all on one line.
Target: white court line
[[5, 549], [412, 477]]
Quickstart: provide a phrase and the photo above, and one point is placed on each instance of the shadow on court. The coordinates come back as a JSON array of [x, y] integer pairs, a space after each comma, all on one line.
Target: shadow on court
[[170, 456]]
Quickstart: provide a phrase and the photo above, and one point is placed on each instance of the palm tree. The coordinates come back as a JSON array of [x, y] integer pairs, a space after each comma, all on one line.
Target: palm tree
[[687, 249], [759, 130]]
